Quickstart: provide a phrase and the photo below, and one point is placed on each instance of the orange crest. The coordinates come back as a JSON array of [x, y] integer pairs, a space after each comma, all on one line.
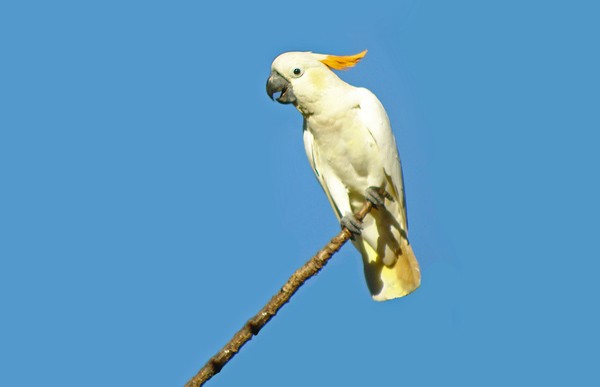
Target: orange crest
[[342, 62]]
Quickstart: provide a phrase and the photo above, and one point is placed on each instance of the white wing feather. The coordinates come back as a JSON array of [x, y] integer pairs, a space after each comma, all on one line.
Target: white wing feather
[[328, 186], [377, 122]]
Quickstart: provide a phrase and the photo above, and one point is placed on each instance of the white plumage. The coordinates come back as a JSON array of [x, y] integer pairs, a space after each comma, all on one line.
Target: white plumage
[[350, 146]]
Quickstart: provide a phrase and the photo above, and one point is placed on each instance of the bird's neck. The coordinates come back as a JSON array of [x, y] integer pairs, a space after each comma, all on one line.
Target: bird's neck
[[328, 100]]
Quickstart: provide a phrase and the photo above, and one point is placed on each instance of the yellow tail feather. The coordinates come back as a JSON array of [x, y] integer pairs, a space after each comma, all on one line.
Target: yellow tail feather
[[394, 281]]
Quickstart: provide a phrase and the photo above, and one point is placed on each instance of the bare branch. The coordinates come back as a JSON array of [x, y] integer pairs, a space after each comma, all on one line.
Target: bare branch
[[256, 323]]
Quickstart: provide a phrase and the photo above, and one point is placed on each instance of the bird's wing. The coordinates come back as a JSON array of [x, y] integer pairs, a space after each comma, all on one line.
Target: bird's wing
[[374, 117], [334, 189]]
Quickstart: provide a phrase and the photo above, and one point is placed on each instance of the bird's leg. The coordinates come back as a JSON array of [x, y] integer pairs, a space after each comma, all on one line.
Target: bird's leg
[[377, 196], [353, 225]]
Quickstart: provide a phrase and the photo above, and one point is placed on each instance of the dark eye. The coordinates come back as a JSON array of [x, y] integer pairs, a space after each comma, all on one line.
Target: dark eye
[[297, 71]]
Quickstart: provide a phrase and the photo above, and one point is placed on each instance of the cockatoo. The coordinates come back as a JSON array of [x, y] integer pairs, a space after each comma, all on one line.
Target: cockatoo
[[352, 151]]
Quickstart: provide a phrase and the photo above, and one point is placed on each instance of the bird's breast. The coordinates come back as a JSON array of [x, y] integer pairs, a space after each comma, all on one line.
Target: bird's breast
[[345, 148]]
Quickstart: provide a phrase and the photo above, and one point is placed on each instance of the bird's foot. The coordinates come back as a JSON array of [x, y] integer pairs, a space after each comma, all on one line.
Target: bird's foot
[[353, 225], [377, 196]]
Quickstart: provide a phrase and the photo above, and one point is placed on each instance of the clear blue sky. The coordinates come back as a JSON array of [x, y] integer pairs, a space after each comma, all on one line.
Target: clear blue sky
[[153, 198]]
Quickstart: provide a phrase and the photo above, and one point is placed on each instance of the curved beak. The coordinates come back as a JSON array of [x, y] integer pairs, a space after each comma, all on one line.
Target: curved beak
[[275, 84]]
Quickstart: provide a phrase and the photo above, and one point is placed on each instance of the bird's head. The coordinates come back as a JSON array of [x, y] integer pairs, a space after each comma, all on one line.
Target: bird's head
[[301, 77]]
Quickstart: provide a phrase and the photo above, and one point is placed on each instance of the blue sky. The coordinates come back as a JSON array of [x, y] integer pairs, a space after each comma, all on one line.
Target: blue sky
[[153, 198]]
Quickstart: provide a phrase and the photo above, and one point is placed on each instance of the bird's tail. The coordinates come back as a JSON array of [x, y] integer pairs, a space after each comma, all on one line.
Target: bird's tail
[[391, 268]]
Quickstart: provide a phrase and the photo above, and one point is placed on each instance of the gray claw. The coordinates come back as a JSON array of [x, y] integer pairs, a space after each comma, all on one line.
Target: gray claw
[[375, 196], [352, 224]]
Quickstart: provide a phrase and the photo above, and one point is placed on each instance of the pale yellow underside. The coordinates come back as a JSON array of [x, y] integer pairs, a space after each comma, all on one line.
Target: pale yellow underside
[[388, 282]]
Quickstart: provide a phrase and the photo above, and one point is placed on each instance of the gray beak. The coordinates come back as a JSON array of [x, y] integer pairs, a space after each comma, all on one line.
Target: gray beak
[[275, 84]]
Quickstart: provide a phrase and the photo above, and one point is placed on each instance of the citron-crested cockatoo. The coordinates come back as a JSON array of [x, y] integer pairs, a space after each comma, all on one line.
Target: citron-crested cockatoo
[[352, 151]]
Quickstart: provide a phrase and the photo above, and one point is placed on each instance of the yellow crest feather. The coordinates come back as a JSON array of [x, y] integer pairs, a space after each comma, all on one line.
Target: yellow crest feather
[[342, 62]]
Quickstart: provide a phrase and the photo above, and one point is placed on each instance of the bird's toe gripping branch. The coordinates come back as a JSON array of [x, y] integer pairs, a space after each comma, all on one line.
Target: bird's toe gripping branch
[[377, 196], [353, 225]]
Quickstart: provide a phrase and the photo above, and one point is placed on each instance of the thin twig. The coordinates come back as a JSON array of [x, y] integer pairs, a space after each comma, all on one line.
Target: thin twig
[[256, 323]]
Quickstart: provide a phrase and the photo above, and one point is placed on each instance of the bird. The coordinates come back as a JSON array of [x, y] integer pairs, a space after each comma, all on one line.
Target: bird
[[352, 151]]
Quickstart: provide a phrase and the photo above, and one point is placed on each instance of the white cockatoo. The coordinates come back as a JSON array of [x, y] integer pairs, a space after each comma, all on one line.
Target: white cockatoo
[[352, 151]]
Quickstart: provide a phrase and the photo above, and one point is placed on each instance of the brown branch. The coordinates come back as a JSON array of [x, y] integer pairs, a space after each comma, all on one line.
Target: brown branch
[[256, 323]]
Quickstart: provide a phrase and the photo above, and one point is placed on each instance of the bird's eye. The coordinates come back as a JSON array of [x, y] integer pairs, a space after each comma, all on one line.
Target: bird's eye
[[297, 72]]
